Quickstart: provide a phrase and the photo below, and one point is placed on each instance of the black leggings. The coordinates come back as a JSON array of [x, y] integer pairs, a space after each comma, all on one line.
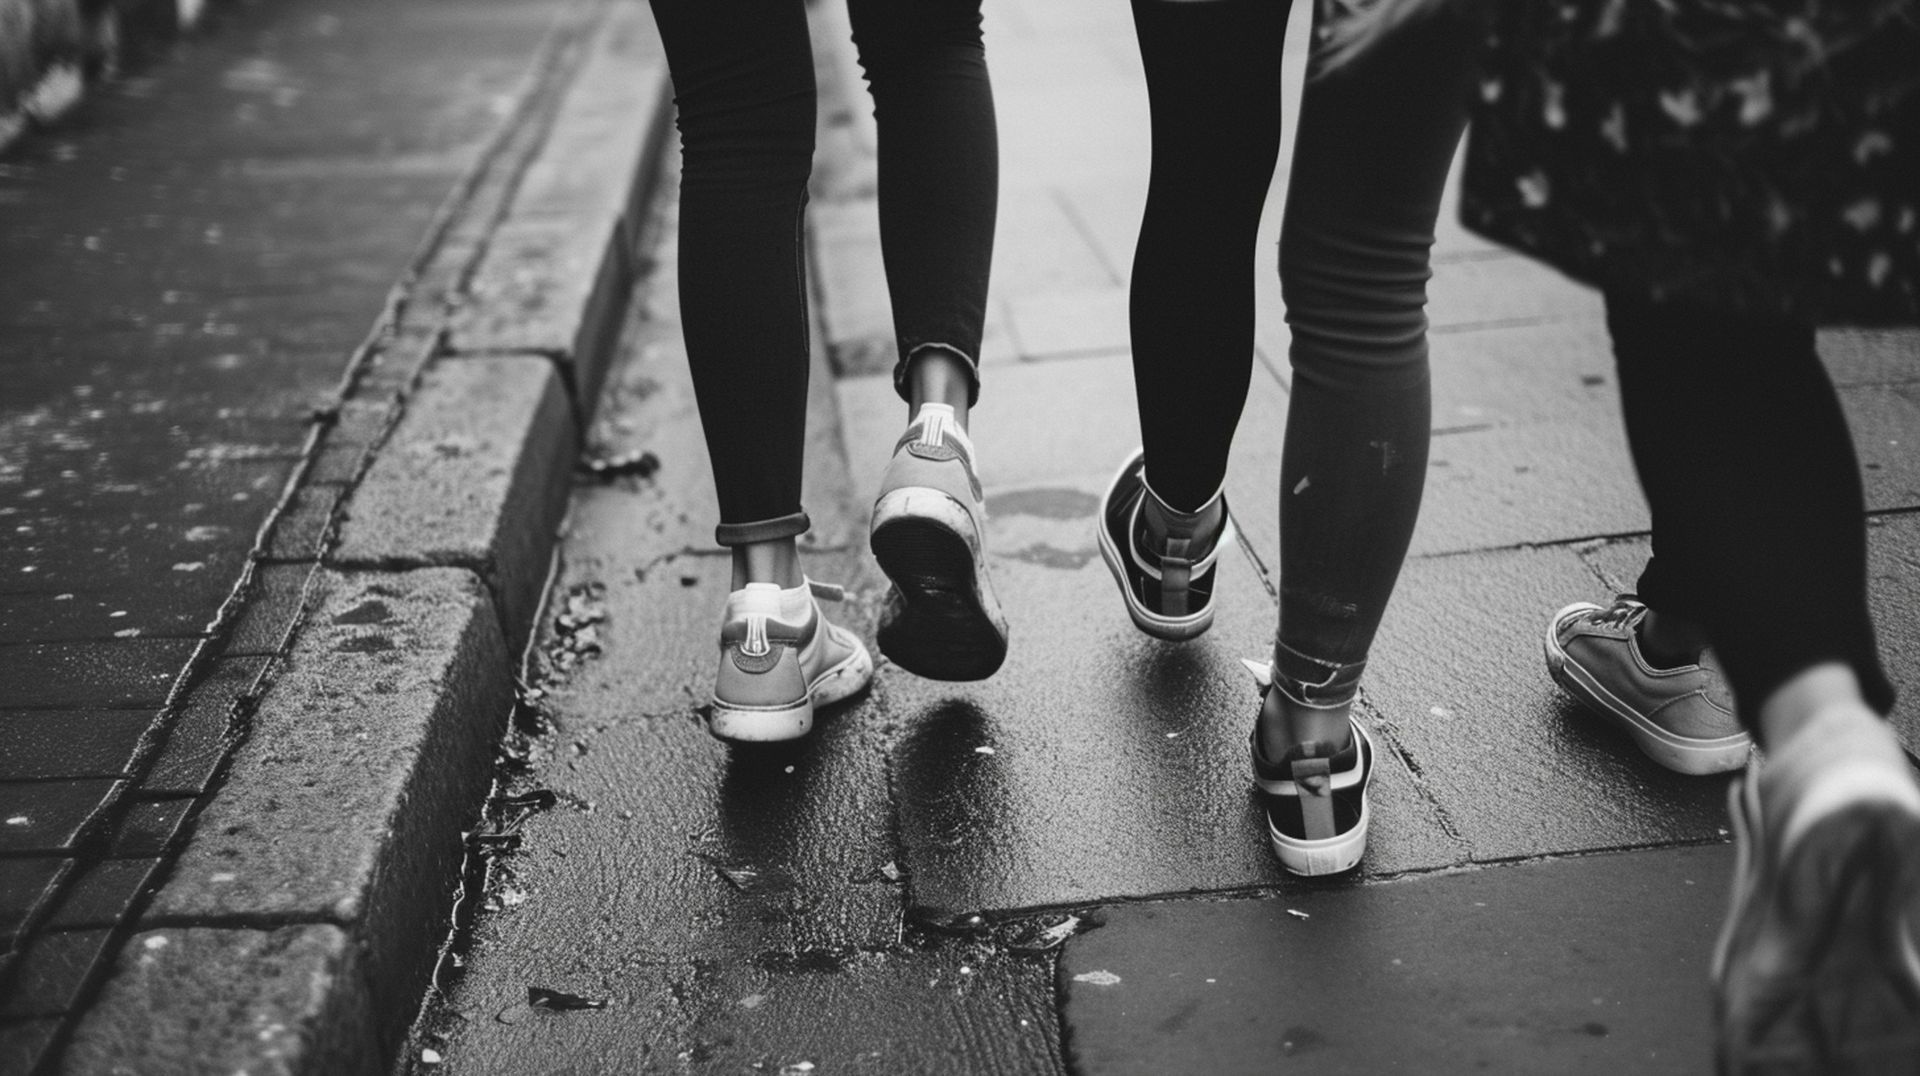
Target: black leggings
[[1369, 163], [743, 82], [1759, 531]]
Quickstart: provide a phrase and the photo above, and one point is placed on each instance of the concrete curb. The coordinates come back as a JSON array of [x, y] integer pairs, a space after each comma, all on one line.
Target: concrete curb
[[299, 926]]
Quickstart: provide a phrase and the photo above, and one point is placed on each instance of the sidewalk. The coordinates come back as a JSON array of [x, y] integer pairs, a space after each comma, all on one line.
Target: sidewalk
[[303, 329], [893, 895], [299, 322]]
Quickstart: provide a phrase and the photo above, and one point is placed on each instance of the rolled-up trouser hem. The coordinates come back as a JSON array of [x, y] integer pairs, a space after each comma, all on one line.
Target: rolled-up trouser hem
[[791, 525], [907, 355], [1311, 682]]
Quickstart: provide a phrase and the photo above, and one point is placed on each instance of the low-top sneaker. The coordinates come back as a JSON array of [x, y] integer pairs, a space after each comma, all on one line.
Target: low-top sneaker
[[1168, 585], [1683, 717], [941, 619], [1315, 796], [779, 659], [1817, 968]]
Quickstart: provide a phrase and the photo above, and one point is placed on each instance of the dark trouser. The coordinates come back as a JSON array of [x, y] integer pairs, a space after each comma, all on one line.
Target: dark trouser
[[1759, 532], [743, 82], [1371, 157]]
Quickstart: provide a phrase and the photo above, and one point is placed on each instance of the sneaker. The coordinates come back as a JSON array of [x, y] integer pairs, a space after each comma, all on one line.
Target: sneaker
[[1316, 796], [1817, 969], [941, 619], [779, 659], [1169, 590], [1683, 718]]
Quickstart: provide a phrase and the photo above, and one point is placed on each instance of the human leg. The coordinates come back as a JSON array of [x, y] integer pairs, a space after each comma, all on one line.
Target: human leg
[[743, 88], [1757, 509], [1213, 85], [938, 175], [1754, 491], [743, 83], [1375, 143]]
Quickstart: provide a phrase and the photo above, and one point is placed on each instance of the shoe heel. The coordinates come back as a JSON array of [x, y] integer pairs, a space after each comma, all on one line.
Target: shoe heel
[[774, 725]]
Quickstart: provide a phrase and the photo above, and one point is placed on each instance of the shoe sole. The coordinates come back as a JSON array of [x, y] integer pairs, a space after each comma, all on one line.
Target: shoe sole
[[951, 627], [777, 724], [1836, 931], [1681, 754], [1329, 856], [1176, 629]]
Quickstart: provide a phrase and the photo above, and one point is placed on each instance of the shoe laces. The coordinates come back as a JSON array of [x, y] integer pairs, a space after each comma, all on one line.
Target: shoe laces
[[1619, 614]]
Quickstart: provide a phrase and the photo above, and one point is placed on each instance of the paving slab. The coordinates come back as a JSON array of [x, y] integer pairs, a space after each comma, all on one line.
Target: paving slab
[[259, 1001], [276, 598], [52, 973], [22, 1042], [51, 816], [120, 674], [1885, 420], [27, 887], [47, 744], [1458, 684], [196, 742], [1586, 965], [1893, 574], [103, 893], [1869, 356], [939, 1008], [1552, 372], [1530, 483], [149, 828]]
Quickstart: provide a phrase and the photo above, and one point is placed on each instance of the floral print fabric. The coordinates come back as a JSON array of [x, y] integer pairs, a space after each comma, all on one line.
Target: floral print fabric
[[1758, 156]]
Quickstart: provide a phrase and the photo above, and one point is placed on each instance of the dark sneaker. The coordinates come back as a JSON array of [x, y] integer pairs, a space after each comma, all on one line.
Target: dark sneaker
[[1683, 718], [779, 659], [941, 619], [1316, 796], [1168, 589], [1817, 969]]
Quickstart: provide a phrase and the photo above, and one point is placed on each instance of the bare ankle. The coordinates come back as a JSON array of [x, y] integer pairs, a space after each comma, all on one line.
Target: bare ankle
[[1285, 724], [936, 375], [776, 562]]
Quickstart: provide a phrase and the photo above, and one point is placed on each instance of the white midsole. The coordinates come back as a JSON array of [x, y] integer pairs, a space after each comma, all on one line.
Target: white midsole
[[1681, 753], [1159, 625]]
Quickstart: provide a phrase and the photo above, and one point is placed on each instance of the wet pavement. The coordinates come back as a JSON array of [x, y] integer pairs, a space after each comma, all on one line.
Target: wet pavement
[[1059, 869], [188, 264], [1062, 868]]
